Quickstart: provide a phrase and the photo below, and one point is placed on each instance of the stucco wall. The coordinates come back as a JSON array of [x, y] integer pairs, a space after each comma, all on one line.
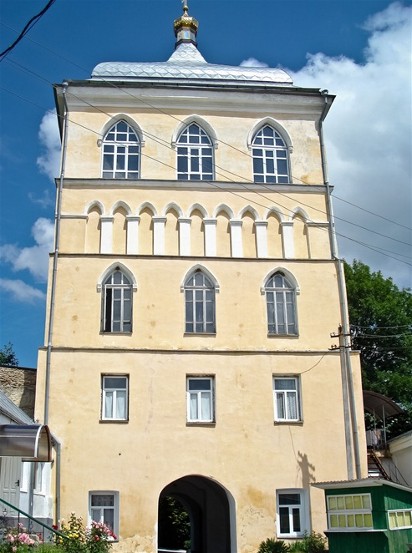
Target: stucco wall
[[19, 385]]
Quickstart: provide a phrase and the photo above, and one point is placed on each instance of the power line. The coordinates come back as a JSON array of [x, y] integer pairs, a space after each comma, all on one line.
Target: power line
[[163, 143], [29, 25], [114, 85]]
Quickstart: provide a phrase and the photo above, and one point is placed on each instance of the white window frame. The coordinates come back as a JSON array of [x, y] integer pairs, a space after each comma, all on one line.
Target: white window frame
[[192, 302], [114, 392], [302, 508], [397, 513], [284, 312], [337, 507], [281, 399], [122, 150], [114, 508], [200, 394], [272, 150], [193, 147], [110, 289]]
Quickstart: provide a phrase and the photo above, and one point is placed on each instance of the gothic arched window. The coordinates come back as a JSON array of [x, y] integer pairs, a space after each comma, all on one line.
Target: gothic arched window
[[199, 303], [194, 154], [281, 305], [117, 303], [121, 152], [270, 157]]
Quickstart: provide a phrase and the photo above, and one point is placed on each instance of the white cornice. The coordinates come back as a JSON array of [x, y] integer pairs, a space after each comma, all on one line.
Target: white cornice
[[293, 102]]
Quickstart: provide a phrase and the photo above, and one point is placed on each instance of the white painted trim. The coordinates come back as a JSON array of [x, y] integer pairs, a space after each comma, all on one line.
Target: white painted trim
[[272, 123], [184, 236], [207, 127], [106, 234], [132, 235], [236, 238], [204, 270], [289, 276], [287, 239], [159, 224], [113, 267], [261, 238], [210, 237]]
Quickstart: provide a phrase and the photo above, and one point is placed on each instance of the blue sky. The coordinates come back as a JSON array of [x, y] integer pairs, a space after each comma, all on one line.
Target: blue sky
[[359, 50]]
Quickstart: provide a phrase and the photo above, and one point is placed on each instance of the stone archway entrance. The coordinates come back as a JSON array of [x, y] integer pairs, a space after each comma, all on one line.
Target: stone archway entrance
[[207, 505]]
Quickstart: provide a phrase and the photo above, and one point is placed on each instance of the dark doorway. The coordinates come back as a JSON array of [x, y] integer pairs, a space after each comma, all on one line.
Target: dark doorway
[[199, 506]]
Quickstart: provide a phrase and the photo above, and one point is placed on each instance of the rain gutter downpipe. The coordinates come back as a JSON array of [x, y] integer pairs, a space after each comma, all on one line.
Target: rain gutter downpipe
[[349, 405], [57, 218]]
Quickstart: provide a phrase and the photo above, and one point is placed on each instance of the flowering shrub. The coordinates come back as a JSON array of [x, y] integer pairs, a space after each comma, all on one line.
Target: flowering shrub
[[99, 537], [19, 541], [94, 539]]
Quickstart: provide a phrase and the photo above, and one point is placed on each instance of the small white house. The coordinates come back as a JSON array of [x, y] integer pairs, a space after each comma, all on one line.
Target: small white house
[[26, 485]]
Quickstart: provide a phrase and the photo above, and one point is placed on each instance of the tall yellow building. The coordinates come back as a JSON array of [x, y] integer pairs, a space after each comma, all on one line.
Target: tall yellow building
[[192, 294]]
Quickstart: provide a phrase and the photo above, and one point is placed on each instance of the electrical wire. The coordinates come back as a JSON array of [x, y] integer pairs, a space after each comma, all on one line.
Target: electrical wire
[[111, 83], [29, 25], [165, 144]]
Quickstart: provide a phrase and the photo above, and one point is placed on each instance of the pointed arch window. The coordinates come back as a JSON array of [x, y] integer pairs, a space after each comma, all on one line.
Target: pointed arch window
[[121, 152], [281, 305], [194, 154], [117, 303], [270, 157], [200, 304]]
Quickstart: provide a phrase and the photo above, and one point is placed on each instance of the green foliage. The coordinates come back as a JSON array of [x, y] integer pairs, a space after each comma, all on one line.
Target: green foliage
[[273, 546], [7, 356], [95, 539], [381, 320], [311, 543], [174, 524]]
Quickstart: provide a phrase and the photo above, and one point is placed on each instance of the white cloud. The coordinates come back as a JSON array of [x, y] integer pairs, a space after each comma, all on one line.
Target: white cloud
[[34, 258], [253, 62], [368, 140], [49, 136], [21, 291]]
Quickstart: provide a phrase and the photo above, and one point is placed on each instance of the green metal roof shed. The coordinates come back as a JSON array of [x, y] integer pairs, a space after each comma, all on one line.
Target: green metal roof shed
[[368, 515]]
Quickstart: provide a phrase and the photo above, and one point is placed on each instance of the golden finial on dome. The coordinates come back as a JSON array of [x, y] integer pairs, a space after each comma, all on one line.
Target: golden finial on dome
[[185, 27]]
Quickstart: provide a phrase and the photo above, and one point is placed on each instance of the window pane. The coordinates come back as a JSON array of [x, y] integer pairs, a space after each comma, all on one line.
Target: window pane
[[108, 518], [193, 406], [200, 384], [280, 406], [292, 405], [284, 520], [285, 384], [206, 412], [121, 405], [114, 382], [102, 500], [108, 405], [289, 499], [296, 520]]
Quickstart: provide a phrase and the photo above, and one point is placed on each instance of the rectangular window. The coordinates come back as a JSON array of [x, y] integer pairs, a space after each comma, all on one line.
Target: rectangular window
[[286, 399], [200, 402], [349, 512], [291, 513], [104, 508], [115, 392], [400, 519]]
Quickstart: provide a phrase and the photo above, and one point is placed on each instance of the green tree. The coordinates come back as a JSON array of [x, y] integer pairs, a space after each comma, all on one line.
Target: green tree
[[380, 315], [8, 357]]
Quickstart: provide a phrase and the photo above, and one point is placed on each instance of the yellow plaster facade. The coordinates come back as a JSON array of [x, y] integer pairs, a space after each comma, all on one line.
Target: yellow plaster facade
[[157, 230]]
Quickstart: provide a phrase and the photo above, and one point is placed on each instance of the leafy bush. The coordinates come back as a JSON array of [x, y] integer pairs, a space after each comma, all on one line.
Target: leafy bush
[[311, 543], [95, 539], [273, 546]]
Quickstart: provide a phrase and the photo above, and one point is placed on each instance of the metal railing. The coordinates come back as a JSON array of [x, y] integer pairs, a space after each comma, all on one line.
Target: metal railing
[[43, 531]]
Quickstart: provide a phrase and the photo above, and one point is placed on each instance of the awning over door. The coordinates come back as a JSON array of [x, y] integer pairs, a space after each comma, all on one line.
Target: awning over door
[[32, 442]]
